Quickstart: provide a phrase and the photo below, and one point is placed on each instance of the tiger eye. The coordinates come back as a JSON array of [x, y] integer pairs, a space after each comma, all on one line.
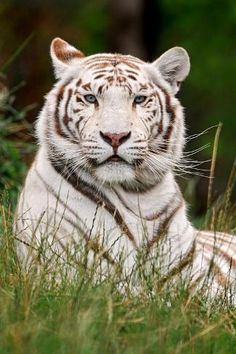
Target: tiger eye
[[90, 98], [139, 99]]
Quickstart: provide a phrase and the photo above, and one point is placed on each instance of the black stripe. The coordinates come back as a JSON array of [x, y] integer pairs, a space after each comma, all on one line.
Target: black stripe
[[66, 118], [160, 124], [60, 96], [163, 227], [99, 76], [154, 216], [132, 77], [172, 116], [90, 192]]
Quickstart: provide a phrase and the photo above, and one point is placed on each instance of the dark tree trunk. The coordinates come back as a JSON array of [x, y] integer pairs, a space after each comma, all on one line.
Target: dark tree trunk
[[135, 27]]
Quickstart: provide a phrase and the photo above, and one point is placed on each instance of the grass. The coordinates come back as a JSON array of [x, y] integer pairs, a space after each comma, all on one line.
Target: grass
[[40, 315]]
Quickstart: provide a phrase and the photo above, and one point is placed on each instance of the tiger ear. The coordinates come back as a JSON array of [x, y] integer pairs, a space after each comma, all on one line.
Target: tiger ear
[[63, 55], [174, 66]]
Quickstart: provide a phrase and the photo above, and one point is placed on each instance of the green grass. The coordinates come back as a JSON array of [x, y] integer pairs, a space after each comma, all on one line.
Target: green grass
[[83, 315]]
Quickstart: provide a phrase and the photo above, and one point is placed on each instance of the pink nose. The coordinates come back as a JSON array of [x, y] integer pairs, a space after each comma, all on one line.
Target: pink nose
[[115, 140]]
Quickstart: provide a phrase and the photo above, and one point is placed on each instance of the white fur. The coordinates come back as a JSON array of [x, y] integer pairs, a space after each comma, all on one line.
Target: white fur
[[50, 208]]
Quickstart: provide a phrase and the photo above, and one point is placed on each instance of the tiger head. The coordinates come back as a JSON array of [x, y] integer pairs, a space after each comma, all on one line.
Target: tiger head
[[114, 115]]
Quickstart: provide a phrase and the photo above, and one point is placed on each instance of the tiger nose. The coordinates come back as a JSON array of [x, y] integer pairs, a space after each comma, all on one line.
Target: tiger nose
[[115, 140]]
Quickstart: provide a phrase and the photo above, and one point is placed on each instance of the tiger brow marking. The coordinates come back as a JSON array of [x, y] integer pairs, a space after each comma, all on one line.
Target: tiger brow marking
[[99, 76], [124, 59], [131, 65], [143, 86], [101, 87], [132, 77], [110, 79], [120, 71], [87, 86], [131, 72], [91, 193], [121, 79], [102, 71], [97, 65]]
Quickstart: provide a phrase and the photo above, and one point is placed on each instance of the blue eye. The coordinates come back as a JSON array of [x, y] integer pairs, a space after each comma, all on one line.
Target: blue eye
[[90, 98], [139, 99]]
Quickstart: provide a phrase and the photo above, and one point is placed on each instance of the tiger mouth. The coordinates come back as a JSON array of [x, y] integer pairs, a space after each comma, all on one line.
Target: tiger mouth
[[115, 158]]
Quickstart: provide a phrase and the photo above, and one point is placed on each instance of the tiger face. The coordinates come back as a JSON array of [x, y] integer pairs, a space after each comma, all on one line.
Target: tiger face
[[116, 116]]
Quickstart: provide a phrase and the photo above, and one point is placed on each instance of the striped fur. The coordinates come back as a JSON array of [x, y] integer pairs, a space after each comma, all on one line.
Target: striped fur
[[104, 170]]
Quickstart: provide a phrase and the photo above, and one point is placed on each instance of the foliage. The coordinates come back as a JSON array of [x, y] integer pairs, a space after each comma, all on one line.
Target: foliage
[[12, 147]]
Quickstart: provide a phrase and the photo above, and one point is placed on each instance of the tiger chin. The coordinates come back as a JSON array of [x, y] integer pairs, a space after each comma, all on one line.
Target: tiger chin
[[110, 134]]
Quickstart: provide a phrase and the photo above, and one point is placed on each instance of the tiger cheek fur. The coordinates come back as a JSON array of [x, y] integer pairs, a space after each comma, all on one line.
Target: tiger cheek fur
[[110, 134]]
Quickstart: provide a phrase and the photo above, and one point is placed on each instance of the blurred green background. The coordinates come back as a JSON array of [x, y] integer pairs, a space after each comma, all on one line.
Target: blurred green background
[[145, 28]]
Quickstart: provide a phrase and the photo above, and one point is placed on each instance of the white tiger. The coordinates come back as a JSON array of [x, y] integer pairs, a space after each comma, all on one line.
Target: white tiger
[[110, 134]]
